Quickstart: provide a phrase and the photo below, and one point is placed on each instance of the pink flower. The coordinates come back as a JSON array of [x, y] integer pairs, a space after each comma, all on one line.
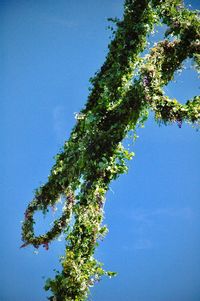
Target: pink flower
[[24, 245], [46, 246], [179, 122], [145, 81], [27, 214], [54, 209]]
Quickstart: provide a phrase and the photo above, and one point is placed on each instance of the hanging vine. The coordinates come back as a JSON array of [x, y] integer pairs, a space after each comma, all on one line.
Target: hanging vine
[[94, 155]]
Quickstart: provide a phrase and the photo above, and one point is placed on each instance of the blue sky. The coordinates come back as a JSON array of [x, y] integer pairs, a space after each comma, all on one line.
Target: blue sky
[[49, 51]]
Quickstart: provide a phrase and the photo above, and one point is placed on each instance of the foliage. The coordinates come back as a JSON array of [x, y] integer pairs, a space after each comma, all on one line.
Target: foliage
[[94, 155]]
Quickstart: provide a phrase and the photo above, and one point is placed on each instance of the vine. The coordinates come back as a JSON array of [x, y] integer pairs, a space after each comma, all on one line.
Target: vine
[[94, 155]]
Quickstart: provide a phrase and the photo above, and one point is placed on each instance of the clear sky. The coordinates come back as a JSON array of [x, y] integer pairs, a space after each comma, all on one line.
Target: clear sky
[[49, 50]]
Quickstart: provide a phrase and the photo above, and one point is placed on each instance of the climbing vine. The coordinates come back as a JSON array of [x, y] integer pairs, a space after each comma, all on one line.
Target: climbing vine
[[121, 94]]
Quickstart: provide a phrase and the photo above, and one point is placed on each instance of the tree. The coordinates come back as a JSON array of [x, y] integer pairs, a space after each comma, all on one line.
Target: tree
[[123, 91]]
